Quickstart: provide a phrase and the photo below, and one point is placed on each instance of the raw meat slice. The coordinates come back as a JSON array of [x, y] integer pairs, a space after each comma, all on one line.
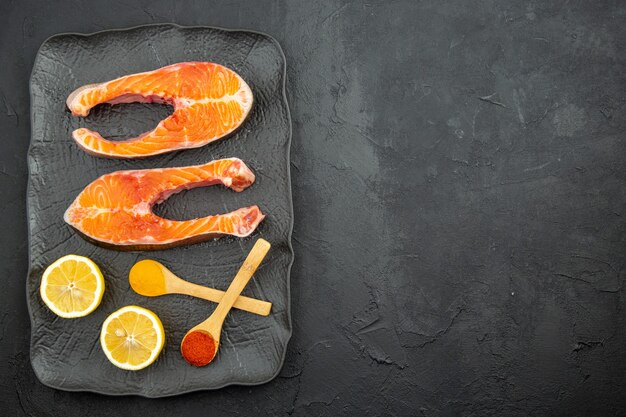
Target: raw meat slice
[[116, 209], [210, 101]]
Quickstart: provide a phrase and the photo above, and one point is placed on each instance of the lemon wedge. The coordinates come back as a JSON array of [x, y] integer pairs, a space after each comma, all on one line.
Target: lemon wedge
[[72, 286], [132, 337]]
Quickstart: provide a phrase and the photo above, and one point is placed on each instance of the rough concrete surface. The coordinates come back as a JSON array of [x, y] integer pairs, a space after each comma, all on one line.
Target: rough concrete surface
[[459, 195]]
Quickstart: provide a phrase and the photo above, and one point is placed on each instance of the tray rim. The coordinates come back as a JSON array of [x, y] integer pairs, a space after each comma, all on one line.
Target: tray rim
[[289, 185]]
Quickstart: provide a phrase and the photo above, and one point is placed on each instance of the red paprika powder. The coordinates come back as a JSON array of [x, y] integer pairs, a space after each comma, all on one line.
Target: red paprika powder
[[198, 348]]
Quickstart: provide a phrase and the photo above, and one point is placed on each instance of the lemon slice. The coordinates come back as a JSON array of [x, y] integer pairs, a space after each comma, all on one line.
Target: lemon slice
[[132, 337], [72, 286]]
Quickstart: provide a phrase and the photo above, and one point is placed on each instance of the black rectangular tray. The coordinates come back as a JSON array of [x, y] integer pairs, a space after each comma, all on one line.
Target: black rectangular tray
[[66, 353]]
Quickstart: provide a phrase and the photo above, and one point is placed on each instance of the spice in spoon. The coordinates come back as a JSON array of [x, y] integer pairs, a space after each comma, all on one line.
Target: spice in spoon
[[202, 341], [198, 348]]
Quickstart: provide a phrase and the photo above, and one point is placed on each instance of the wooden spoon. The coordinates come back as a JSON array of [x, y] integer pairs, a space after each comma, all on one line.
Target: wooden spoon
[[200, 344], [151, 279]]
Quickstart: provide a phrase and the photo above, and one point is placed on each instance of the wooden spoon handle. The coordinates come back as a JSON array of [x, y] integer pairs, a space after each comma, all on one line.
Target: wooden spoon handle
[[251, 305], [252, 262]]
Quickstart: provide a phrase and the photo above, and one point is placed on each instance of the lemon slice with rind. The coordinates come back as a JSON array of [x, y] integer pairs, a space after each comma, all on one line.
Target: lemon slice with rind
[[132, 337], [72, 286]]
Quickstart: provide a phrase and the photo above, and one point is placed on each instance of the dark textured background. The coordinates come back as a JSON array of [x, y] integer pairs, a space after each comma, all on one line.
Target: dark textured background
[[459, 193]]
